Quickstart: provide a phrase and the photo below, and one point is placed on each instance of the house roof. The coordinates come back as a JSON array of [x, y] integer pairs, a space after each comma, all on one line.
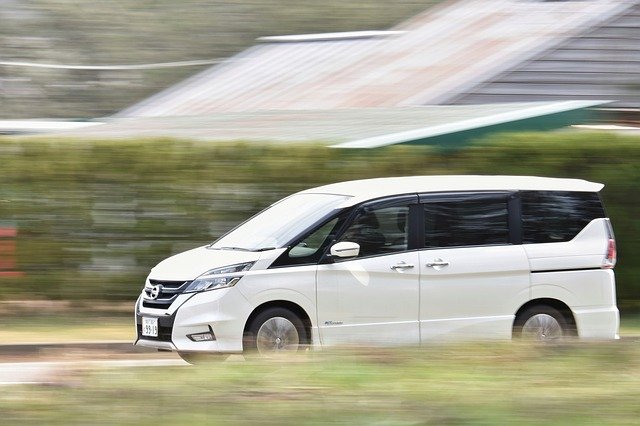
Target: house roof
[[601, 62], [427, 60], [445, 126]]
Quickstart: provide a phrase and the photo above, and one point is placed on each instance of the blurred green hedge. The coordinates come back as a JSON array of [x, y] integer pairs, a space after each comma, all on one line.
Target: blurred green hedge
[[94, 216]]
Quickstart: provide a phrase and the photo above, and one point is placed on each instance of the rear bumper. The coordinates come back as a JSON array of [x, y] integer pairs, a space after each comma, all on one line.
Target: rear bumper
[[598, 323]]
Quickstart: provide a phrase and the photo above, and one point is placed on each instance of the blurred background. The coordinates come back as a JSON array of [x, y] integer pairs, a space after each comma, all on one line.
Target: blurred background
[[98, 33], [178, 153], [134, 130]]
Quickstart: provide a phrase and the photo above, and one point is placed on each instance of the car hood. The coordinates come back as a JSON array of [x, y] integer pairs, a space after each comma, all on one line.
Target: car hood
[[193, 263]]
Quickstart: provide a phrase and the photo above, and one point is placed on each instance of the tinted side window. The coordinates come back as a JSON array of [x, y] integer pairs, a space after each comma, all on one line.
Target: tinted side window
[[555, 216], [380, 231], [470, 222]]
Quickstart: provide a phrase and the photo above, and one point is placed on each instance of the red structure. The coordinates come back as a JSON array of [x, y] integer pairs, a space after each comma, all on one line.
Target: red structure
[[8, 266]]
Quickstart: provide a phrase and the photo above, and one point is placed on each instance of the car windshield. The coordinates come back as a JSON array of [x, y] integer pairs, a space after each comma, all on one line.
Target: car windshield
[[278, 224]]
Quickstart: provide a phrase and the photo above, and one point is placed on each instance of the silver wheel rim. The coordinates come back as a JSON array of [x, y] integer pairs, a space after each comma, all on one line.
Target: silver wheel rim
[[542, 327], [277, 334]]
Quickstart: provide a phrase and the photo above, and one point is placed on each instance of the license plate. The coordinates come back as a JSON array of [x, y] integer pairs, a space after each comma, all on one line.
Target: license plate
[[150, 327]]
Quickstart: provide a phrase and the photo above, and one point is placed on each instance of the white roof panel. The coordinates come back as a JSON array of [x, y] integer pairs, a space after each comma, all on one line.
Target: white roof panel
[[367, 189]]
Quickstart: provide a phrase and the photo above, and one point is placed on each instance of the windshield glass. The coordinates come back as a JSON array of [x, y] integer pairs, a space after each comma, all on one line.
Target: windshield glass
[[280, 223]]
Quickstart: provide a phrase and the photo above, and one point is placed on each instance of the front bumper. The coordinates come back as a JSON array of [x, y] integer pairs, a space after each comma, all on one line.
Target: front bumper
[[224, 310]]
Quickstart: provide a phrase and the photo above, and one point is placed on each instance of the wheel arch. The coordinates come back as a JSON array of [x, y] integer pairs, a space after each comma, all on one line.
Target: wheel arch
[[286, 304], [556, 304]]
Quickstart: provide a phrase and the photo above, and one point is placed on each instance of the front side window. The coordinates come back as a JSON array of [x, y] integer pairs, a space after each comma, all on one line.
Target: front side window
[[556, 216], [460, 222], [310, 246], [380, 231]]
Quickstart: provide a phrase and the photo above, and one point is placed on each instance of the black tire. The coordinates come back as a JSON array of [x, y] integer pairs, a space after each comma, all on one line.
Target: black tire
[[198, 358], [278, 323], [542, 323]]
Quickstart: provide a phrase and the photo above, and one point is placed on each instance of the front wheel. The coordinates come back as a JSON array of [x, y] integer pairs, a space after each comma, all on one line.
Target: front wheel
[[275, 331], [542, 323]]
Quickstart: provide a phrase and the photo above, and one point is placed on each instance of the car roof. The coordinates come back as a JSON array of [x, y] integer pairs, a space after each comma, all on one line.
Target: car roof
[[367, 189]]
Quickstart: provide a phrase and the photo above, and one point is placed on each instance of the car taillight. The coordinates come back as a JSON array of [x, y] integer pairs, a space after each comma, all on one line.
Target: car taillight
[[612, 253], [610, 259]]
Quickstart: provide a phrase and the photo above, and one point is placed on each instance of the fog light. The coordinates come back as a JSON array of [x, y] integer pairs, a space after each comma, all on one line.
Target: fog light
[[202, 337]]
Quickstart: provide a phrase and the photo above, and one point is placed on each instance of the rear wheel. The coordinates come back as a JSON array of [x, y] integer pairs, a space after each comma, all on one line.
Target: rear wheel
[[275, 331], [542, 323]]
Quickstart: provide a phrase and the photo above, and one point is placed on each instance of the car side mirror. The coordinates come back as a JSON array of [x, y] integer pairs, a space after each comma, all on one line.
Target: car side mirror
[[345, 249]]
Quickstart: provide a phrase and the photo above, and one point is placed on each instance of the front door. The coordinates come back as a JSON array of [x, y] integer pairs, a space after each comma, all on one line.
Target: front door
[[374, 297]]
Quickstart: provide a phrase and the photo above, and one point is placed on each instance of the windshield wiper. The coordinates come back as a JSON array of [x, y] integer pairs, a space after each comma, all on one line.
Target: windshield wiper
[[231, 248], [241, 248]]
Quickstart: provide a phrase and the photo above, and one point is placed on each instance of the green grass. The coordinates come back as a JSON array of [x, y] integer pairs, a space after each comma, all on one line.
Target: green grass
[[72, 327], [484, 384]]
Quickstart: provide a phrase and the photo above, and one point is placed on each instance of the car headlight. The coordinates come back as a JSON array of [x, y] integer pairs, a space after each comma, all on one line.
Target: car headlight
[[224, 277]]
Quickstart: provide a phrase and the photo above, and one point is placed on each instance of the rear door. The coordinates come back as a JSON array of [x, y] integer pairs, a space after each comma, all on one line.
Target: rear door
[[474, 273]]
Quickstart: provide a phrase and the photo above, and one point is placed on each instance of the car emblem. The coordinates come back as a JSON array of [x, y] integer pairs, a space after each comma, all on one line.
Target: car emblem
[[156, 291]]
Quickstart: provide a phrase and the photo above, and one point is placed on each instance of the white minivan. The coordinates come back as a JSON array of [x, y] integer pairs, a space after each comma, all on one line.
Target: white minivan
[[393, 261]]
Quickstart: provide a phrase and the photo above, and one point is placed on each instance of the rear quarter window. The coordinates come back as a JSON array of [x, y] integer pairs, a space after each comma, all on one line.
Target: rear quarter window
[[556, 216]]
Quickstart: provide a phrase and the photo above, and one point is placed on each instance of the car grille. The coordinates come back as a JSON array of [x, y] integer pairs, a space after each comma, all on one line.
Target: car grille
[[170, 292]]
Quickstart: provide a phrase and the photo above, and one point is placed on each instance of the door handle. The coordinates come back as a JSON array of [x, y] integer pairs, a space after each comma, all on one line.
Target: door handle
[[401, 266], [437, 264]]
